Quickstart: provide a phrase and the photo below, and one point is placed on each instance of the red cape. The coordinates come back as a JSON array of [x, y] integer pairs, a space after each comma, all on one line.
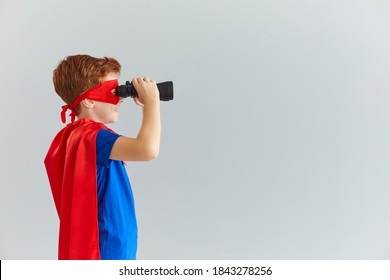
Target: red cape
[[71, 168]]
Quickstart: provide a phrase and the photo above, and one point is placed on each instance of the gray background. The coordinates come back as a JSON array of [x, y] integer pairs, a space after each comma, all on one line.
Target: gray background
[[276, 145]]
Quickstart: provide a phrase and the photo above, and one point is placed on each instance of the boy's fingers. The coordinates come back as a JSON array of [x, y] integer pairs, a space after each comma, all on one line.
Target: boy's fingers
[[134, 80], [144, 79]]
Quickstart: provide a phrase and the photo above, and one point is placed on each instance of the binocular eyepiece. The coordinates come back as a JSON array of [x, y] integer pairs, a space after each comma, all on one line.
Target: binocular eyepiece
[[128, 90]]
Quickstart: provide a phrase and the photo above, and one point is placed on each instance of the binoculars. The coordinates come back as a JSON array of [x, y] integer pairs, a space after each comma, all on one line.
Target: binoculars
[[128, 90]]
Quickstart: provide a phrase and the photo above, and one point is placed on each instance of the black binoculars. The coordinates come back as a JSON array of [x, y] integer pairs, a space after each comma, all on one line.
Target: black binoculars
[[128, 90]]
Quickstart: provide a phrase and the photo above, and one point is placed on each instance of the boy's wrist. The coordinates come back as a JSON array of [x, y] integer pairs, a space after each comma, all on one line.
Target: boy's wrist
[[152, 102]]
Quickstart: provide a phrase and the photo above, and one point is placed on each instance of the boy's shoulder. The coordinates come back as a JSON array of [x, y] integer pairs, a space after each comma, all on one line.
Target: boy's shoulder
[[83, 126], [105, 135], [81, 131]]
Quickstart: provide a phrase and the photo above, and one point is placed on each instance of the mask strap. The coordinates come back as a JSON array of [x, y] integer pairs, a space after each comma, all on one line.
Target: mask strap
[[72, 114]]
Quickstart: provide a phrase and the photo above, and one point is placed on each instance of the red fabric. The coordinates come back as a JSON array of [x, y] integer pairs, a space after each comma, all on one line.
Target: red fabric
[[72, 115], [103, 92], [71, 168]]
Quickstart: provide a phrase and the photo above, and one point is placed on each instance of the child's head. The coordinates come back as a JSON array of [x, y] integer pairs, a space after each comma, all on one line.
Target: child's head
[[76, 74]]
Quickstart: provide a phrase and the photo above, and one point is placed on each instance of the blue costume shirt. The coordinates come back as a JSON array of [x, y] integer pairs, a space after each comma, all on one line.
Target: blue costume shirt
[[118, 232]]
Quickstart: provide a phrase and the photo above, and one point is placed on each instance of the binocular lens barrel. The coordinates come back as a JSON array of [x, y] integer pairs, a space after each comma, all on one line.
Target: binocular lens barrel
[[128, 90]]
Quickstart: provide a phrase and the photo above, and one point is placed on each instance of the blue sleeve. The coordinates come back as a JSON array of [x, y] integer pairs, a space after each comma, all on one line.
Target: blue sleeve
[[105, 139]]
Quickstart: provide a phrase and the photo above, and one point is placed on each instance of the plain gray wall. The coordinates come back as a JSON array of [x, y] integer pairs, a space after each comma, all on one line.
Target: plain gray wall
[[276, 145]]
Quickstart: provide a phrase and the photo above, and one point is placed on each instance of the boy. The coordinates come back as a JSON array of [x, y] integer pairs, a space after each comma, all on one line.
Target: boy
[[85, 162]]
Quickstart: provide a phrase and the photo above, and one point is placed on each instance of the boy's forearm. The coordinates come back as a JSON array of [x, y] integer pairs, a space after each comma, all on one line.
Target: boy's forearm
[[150, 130]]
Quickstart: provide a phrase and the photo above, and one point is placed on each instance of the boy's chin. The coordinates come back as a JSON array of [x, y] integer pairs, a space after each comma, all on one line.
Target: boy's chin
[[110, 121], [113, 120]]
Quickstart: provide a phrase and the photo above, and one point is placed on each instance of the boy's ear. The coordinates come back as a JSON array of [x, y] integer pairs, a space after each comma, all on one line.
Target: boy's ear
[[87, 103]]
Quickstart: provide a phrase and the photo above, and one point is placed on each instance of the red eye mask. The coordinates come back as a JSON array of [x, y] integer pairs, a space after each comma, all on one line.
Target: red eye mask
[[102, 92]]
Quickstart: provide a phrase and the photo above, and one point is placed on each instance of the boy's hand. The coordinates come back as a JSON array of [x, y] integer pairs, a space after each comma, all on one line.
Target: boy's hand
[[147, 91]]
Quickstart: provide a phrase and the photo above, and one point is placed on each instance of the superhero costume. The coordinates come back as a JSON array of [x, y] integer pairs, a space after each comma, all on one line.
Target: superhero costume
[[71, 168]]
